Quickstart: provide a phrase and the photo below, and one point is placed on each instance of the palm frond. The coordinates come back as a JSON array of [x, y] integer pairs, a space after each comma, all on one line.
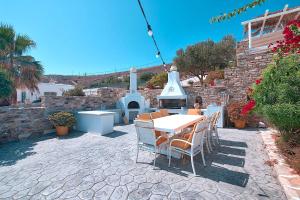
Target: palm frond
[[30, 72], [23, 43]]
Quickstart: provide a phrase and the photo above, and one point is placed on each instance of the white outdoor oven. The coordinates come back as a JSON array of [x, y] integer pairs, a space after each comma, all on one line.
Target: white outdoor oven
[[133, 103], [173, 96]]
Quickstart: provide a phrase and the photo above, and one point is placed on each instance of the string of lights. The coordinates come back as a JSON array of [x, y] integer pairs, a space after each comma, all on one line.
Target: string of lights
[[150, 33]]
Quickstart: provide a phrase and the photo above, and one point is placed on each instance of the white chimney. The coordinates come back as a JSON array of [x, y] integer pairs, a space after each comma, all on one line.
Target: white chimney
[[133, 80]]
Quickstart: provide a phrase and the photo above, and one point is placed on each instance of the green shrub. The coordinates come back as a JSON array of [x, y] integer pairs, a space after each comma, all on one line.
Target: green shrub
[[158, 81], [62, 119], [5, 85], [146, 76], [77, 91], [278, 95], [285, 117]]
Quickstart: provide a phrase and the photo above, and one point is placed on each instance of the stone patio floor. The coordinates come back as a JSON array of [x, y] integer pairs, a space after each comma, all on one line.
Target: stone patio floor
[[90, 166]]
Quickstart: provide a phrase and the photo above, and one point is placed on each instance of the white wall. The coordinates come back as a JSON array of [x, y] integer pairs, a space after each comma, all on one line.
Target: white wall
[[43, 87]]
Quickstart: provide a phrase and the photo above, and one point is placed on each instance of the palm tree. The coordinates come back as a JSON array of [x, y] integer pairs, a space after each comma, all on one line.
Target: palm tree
[[24, 70]]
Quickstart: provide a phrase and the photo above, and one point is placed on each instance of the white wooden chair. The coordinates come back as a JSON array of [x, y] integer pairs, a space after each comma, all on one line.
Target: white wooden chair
[[146, 138], [195, 146], [213, 129]]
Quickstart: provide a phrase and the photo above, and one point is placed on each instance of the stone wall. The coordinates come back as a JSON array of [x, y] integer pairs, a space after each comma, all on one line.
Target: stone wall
[[208, 94], [19, 123], [22, 122], [249, 67]]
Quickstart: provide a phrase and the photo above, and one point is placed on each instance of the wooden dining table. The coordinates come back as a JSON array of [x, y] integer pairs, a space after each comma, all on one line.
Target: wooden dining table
[[175, 123]]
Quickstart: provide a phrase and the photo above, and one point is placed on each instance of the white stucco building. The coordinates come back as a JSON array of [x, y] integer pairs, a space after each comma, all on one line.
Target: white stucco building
[[26, 96]]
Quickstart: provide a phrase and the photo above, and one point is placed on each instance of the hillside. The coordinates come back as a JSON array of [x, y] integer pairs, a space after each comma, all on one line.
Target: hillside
[[88, 80]]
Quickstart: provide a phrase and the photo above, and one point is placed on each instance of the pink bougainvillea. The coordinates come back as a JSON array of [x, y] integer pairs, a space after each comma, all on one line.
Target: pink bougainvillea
[[291, 42], [248, 107]]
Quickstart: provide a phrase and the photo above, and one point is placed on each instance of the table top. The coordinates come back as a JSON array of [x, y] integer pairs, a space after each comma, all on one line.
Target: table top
[[175, 123]]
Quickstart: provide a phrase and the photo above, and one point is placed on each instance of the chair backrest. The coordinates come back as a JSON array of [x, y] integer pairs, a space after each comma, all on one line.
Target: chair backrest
[[164, 112], [144, 116], [212, 120], [199, 133], [145, 132], [155, 115], [194, 112], [216, 118]]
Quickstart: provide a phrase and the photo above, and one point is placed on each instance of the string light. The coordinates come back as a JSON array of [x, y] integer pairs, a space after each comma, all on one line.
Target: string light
[[157, 55], [150, 33]]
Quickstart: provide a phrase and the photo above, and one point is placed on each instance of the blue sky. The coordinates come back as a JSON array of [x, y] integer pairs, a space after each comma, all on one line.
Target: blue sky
[[98, 36]]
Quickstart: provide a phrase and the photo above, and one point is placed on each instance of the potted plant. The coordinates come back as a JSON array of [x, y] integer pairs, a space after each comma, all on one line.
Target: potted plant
[[214, 78], [62, 122], [235, 115]]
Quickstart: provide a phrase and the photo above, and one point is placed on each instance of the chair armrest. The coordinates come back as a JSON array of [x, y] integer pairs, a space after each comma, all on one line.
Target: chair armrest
[[180, 140]]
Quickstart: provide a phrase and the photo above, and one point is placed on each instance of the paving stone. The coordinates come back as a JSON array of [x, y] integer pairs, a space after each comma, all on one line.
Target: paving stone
[[180, 186], [38, 197], [120, 193], [132, 186], [207, 195], [21, 194], [55, 195], [174, 196], [140, 179], [98, 186], [85, 185], [113, 180], [126, 179], [39, 187], [145, 185], [161, 188], [190, 195], [52, 188], [88, 166], [86, 195], [69, 194], [140, 194], [105, 192], [158, 197], [8, 195]]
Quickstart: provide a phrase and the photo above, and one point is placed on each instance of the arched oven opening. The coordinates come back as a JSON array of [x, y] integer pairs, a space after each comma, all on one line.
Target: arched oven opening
[[133, 105]]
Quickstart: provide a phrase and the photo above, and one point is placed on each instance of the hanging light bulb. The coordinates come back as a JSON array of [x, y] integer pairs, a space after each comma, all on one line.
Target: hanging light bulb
[[157, 55], [150, 32]]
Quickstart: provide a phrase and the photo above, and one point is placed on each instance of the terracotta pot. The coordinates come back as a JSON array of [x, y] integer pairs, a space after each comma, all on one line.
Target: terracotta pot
[[62, 130], [240, 123]]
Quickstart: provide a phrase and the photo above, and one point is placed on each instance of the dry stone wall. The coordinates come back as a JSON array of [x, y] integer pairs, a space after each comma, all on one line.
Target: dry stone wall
[[19, 123], [250, 65], [22, 122]]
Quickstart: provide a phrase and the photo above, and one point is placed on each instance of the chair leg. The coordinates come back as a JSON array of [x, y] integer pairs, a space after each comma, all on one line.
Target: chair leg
[[137, 154], [202, 154], [212, 137], [217, 135], [207, 144], [170, 157], [154, 158], [209, 139], [192, 161]]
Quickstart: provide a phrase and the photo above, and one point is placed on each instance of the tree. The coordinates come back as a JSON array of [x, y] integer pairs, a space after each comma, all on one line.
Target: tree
[[23, 70], [227, 16], [5, 85], [146, 76], [158, 81], [205, 56]]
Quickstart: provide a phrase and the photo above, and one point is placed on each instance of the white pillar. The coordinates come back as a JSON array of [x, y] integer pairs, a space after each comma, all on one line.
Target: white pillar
[[249, 35]]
